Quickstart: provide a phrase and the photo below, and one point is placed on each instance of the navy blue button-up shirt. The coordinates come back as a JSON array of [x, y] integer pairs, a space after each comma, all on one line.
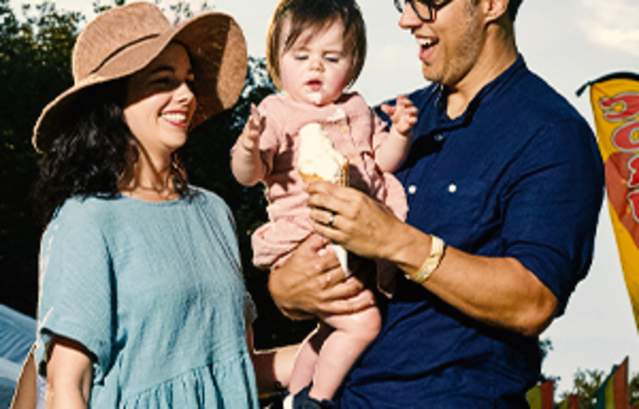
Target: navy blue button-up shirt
[[517, 175]]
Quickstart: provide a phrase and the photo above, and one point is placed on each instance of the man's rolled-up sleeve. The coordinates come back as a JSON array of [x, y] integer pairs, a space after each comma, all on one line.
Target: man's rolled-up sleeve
[[552, 206]]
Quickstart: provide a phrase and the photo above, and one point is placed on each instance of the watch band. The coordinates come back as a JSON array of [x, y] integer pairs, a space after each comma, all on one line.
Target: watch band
[[431, 263]]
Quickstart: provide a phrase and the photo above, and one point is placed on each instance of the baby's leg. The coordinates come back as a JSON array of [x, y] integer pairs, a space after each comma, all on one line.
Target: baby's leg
[[306, 359], [343, 346]]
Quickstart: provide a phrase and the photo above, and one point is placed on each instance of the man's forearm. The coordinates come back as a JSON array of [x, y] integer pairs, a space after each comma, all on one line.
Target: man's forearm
[[498, 291]]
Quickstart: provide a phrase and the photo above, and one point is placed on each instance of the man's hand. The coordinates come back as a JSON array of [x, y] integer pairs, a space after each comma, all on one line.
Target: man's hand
[[352, 219], [311, 283]]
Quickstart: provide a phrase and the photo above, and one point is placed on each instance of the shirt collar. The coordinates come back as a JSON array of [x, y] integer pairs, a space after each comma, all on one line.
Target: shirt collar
[[438, 118]]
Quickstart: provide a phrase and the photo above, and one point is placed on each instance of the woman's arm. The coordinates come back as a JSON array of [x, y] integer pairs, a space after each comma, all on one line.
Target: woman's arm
[[69, 374], [26, 392], [273, 367]]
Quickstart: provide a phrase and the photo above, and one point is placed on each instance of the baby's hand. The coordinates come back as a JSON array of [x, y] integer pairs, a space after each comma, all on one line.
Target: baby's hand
[[403, 114], [253, 129]]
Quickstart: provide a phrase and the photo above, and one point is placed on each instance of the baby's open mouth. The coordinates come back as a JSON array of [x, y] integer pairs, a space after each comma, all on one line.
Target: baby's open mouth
[[314, 85]]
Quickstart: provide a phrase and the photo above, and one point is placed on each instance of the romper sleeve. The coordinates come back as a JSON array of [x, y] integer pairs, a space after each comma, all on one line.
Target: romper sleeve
[[365, 117], [380, 131], [379, 128], [76, 298], [552, 207], [270, 108]]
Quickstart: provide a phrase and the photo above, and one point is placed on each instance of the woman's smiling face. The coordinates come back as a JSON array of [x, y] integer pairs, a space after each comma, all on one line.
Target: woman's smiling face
[[159, 103]]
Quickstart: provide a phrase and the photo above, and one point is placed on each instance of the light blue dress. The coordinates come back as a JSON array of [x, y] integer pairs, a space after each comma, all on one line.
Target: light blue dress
[[155, 292]]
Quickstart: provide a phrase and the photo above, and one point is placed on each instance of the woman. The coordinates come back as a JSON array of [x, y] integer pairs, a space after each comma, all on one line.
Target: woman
[[142, 302]]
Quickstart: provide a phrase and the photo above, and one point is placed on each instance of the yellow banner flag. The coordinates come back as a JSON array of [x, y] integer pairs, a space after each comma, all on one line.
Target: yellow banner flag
[[615, 104]]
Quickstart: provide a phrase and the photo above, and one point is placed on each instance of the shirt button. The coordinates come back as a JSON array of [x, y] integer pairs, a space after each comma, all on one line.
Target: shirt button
[[452, 188], [412, 189], [439, 137]]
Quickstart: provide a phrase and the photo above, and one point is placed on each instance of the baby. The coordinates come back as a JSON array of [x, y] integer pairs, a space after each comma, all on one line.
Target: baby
[[315, 51]]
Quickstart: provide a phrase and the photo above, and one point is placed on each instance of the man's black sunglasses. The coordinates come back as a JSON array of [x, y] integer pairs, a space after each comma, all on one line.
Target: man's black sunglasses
[[426, 10]]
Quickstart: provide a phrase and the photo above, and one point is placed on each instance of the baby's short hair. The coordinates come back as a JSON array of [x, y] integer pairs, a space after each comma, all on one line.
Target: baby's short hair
[[317, 15]]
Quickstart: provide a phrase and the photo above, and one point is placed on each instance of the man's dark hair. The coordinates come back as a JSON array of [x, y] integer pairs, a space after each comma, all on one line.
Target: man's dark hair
[[513, 7]]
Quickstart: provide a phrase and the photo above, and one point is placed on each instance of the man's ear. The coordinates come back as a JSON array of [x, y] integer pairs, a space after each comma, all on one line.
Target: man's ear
[[495, 9]]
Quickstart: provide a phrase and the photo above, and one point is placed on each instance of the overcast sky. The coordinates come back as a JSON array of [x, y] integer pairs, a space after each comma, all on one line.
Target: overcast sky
[[567, 42]]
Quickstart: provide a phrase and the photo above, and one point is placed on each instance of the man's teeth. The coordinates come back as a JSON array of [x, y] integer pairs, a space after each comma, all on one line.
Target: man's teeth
[[175, 117], [426, 42]]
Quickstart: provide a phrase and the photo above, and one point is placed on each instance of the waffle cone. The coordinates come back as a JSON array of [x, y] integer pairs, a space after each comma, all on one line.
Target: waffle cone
[[313, 177]]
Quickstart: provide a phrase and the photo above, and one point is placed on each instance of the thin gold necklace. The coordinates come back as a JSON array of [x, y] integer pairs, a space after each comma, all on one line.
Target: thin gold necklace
[[150, 193]]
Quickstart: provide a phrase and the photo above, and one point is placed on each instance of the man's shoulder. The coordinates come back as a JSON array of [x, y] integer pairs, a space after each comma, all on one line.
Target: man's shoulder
[[540, 123], [540, 101]]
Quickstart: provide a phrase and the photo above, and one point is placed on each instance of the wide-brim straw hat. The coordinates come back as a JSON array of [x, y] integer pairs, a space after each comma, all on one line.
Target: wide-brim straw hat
[[124, 40]]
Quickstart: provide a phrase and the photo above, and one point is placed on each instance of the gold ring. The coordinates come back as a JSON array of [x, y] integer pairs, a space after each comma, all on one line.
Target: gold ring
[[331, 220]]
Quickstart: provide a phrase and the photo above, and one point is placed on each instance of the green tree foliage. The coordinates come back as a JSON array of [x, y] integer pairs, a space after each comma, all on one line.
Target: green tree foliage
[[35, 55], [546, 347], [34, 67], [586, 383], [634, 390]]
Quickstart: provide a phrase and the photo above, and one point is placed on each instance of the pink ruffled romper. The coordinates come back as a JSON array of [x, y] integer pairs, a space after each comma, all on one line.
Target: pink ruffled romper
[[355, 131]]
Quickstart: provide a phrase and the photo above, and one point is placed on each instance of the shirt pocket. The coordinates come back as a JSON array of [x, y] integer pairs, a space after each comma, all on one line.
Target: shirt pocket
[[459, 210]]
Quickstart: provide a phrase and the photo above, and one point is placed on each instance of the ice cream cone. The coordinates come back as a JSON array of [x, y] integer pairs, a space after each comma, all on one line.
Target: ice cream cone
[[318, 159]]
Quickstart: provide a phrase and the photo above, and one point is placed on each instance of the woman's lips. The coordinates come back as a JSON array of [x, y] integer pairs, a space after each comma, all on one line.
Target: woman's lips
[[176, 118]]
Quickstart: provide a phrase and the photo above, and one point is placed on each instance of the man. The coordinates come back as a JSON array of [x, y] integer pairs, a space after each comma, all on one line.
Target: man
[[504, 185]]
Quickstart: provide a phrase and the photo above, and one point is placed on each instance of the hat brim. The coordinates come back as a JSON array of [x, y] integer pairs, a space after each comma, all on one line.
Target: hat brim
[[217, 49]]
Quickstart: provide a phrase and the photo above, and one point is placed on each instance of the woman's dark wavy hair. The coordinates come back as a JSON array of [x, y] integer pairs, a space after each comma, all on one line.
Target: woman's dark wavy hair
[[89, 155]]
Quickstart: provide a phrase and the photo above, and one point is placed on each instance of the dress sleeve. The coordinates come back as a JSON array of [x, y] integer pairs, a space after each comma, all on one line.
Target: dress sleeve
[[552, 207], [76, 299]]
